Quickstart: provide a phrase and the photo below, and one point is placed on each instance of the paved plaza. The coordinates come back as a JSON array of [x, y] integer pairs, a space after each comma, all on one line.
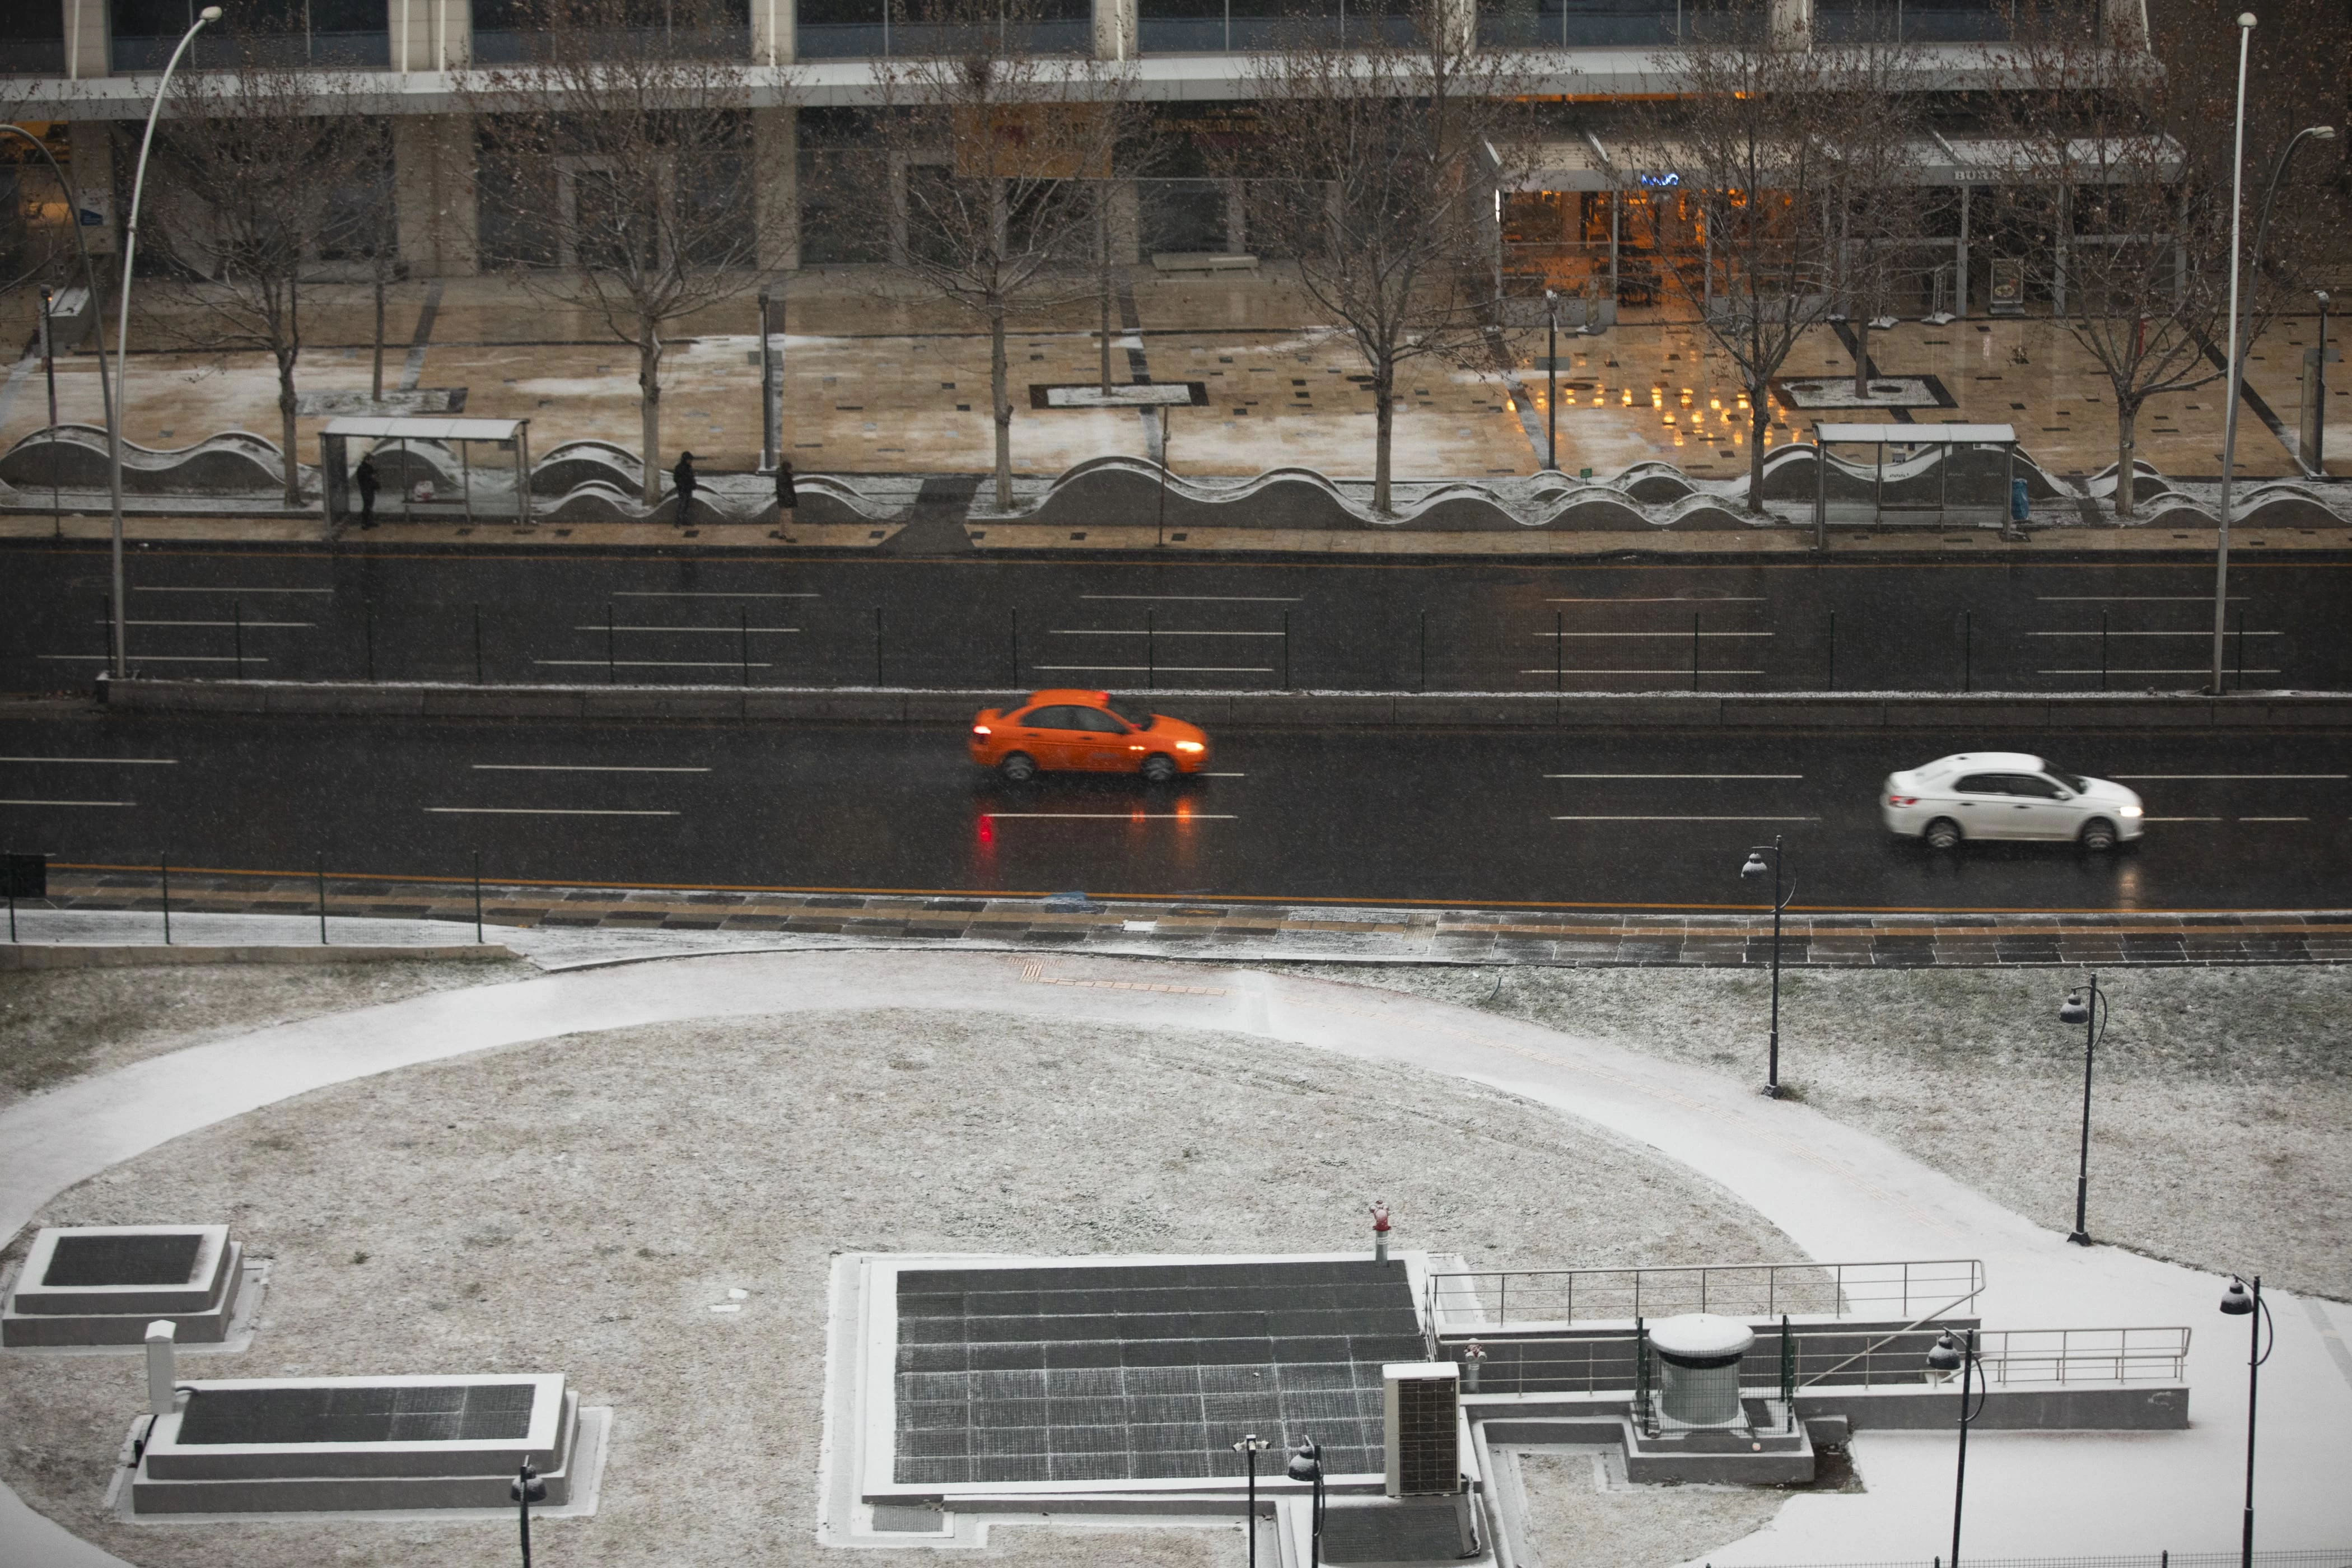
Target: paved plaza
[[877, 381]]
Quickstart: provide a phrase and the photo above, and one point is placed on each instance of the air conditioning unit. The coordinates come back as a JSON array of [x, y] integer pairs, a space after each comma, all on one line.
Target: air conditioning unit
[[1420, 1420]]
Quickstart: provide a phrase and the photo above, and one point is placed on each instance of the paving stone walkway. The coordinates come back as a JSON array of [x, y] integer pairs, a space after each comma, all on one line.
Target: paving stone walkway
[[1232, 930]]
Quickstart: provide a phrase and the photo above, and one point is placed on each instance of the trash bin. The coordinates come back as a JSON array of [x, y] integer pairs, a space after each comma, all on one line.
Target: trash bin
[[2020, 510]]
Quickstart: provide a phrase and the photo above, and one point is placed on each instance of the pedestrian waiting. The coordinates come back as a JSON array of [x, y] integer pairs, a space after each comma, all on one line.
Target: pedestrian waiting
[[364, 477], [683, 477]]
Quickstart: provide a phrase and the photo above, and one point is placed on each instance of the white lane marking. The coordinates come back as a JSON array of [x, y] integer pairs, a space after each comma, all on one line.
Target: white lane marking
[[1210, 775], [247, 625], [2180, 819], [143, 588], [1115, 815], [1668, 599], [730, 631], [574, 768], [2200, 670], [685, 594], [2273, 819], [1159, 631], [104, 761], [1680, 670], [1664, 818], [1677, 635], [2198, 635], [1200, 598], [1164, 669], [155, 659], [2215, 776], [534, 811], [2132, 598], [653, 663], [1673, 775], [69, 803]]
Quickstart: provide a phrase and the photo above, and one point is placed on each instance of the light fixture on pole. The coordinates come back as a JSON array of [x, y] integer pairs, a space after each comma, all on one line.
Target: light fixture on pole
[[1951, 1355], [1307, 1467], [1552, 380], [2234, 381], [1249, 1449], [2238, 1301], [122, 334], [1753, 868], [2088, 1007], [526, 1489]]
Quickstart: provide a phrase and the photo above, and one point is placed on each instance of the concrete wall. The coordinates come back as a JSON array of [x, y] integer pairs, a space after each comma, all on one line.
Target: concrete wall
[[62, 955], [2127, 1408], [433, 192], [1243, 711]]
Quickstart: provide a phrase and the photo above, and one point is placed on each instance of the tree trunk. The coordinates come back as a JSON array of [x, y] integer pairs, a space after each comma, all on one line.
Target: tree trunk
[[2126, 417], [1102, 253], [1861, 324], [1760, 420], [1001, 407], [285, 430], [1383, 429], [376, 394], [649, 406]]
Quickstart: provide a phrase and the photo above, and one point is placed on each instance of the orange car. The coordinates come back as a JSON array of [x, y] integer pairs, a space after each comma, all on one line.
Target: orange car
[[1080, 731]]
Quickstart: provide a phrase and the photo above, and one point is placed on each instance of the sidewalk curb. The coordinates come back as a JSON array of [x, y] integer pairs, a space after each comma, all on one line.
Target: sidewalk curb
[[1253, 709], [16, 956]]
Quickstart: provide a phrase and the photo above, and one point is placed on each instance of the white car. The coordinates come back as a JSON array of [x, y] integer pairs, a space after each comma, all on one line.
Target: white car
[[2007, 794]]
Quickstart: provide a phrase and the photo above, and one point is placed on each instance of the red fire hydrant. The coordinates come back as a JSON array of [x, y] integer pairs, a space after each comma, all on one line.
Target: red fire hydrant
[[1379, 1232]]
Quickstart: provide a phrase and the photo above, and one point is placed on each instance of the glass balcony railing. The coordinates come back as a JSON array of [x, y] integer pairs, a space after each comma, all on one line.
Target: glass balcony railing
[[867, 30], [134, 53], [1233, 27], [32, 56], [1952, 21], [1614, 23], [522, 45]]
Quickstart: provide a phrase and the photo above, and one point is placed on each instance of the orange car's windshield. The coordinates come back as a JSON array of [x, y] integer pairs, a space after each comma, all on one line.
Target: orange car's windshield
[[1127, 710]]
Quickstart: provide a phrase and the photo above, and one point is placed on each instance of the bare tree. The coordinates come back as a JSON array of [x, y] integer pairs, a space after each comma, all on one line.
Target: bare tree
[[2132, 214], [617, 174], [1866, 82], [997, 160], [1373, 172], [268, 168], [1738, 209]]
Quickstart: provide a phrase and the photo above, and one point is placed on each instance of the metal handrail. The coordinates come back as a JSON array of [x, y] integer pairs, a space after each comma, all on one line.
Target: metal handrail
[[1738, 1289]]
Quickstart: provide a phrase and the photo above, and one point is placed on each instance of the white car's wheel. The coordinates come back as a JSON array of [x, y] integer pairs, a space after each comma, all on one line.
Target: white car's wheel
[[2098, 836], [1942, 834]]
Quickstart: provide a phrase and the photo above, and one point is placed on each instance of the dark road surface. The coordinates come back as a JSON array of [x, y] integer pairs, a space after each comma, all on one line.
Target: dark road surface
[[1849, 623], [1484, 818]]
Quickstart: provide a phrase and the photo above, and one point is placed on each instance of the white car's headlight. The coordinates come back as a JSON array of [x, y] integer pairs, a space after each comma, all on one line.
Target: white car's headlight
[[2130, 811]]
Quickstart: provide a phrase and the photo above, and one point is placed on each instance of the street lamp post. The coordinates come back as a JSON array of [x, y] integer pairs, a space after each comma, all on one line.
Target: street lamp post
[[2235, 380], [1959, 1355], [2238, 1301], [526, 1489], [1249, 1449], [1755, 867], [1307, 1465], [105, 392], [122, 333], [2088, 1007], [1552, 380]]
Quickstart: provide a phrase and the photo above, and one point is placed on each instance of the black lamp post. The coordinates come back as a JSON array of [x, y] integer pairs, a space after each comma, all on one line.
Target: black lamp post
[[1306, 1465], [1249, 1449], [1959, 1355], [1755, 867], [2088, 1007], [2238, 1301], [526, 1489], [1552, 380]]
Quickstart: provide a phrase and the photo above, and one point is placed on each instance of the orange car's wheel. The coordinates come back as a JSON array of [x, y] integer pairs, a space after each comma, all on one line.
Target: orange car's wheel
[[1159, 768], [1018, 768]]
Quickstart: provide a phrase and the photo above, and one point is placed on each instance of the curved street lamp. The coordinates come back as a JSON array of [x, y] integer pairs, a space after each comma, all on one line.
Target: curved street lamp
[[2238, 1301], [122, 333], [2238, 344], [1951, 1355], [1307, 1467], [1753, 868], [2090, 1011], [105, 391]]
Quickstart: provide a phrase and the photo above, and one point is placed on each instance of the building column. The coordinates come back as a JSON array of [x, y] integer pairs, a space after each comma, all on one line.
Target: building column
[[1792, 24], [433, 195], [85, 38], [1117, 24], [1461, 19], [774, 24], [776, 186], [90, 169], [1960, 254]]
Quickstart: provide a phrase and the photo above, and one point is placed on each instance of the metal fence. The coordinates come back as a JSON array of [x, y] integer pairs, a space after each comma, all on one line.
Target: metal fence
[[1907, 1291]]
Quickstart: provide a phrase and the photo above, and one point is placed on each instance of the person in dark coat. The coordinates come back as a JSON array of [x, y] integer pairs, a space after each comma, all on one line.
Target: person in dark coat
[[683, 477], [786, 497], [364, 477]]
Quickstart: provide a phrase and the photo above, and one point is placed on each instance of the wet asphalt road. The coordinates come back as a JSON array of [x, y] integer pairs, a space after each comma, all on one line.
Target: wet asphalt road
[[1850, 623], [1648, 822]]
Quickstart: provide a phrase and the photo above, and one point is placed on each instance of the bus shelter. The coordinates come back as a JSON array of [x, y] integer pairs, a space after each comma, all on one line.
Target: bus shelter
[[429, 469], [1936, 476]]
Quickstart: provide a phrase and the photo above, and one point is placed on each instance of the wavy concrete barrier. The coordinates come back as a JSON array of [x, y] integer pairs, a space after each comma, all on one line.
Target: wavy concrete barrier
[[232, 462], [1790, 474]]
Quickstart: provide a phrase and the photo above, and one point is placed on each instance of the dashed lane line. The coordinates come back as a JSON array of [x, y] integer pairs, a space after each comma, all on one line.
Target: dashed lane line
[[1163, 668], [145, 588], [651, 663], [730, 631], [1201, 599], [535, 811], [116, 803], [702, 593], [1667, 818], [1111, 816], [2230, 776], [1673, 775], [104, 761], [575, 768]]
